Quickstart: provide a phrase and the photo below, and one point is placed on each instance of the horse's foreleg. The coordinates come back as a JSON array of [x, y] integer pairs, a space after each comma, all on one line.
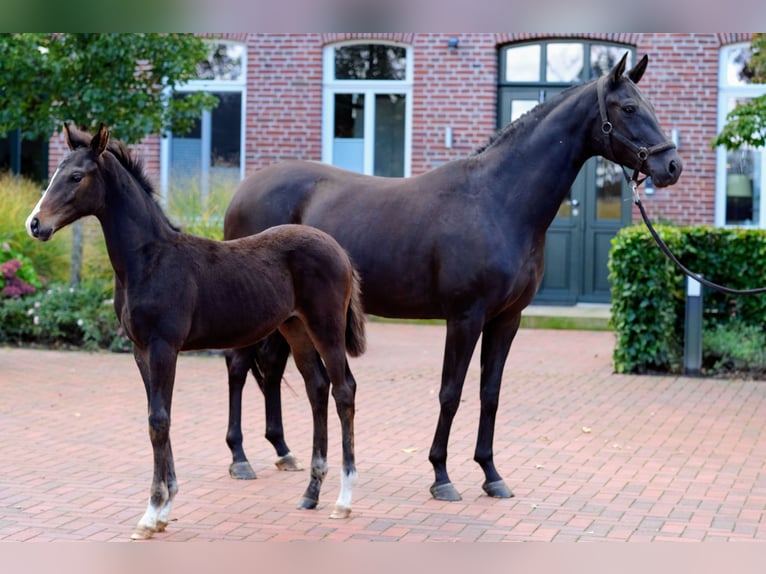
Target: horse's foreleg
[[157, 367], [269, 359], [462, 335], [495, 344], [237, 365], [344, 392]]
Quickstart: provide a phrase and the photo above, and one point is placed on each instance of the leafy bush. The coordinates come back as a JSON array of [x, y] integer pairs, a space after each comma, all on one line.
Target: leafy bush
[[648, 291], [49, 262], [63, 316], [200, 214], [735, 348]]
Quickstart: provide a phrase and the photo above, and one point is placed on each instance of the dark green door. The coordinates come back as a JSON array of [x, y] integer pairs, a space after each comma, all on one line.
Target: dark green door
[[579, 239]]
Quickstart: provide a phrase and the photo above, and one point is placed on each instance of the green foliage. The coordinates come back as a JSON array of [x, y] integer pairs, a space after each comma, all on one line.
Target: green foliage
[[746, 123], [87, 79], [200, 214], [49, 262], [648, 292], [63, 316], [735, 347]]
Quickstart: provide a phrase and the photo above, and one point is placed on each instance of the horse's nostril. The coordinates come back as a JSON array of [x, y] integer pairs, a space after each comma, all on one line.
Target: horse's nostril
[[34, 226], [673, 167]]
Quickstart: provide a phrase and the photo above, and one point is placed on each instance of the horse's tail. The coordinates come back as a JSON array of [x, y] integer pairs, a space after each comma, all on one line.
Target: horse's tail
[[356, 342]]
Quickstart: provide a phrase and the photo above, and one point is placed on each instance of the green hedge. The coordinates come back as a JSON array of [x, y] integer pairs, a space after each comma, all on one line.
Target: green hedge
[[648, 291]]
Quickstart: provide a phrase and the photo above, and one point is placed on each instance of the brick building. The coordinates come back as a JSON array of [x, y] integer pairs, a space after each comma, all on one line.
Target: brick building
[[399, 104]]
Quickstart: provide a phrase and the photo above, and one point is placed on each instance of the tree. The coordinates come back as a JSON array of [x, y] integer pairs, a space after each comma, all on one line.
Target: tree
[[746, 123], [121, 80]]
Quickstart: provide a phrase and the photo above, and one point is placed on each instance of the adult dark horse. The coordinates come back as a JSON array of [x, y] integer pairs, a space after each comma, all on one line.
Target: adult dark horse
[[176, 292], [463, 242]]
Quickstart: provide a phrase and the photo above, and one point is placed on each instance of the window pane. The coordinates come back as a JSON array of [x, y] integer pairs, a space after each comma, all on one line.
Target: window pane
[[522, 64], [737, 73], [564, 63], [609, 179], [223, 62], [743, 191], [521, 107], [348, 142], [604, 58], [389, 135], [370, 62], [225, 140], [186, 155]]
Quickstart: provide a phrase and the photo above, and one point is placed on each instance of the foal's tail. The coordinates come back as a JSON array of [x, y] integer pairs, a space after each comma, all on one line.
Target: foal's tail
[[356, 343]]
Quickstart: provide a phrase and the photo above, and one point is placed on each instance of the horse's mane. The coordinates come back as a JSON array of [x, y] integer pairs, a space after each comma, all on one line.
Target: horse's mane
[[135, 166], [537, 113]]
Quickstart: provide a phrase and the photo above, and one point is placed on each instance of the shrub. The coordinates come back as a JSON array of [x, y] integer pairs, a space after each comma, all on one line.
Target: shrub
[[648, 291], [49, 262], [63, 316], [200, 214]]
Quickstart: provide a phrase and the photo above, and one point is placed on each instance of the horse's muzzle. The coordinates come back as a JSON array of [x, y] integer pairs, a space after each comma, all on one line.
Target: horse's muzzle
[[34, 229]]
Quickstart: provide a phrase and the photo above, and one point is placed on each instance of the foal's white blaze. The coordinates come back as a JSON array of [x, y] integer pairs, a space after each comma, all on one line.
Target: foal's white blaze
[[36, 210]]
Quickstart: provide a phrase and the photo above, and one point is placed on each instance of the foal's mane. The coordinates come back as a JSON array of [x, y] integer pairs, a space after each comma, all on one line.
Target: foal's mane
[[135, 167]]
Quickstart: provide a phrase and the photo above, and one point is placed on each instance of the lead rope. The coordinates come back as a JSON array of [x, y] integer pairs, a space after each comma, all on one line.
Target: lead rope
[[634, 182]]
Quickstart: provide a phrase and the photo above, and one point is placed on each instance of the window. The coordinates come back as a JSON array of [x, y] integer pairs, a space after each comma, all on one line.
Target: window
[[564, 62], [739, 173], [367, 108], [210, 156]]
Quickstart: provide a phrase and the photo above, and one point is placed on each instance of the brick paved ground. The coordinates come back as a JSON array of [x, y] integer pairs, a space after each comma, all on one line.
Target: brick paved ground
[[589, 454]]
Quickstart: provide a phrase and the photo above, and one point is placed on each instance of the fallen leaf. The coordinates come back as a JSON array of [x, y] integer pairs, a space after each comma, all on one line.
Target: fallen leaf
[[586, 430], [409, 450]]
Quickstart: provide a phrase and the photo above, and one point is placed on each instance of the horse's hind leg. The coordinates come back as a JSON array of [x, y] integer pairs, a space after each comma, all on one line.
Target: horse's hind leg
[[269, 359], [495, 345], [237, 365], [344, 393], [318, 390]]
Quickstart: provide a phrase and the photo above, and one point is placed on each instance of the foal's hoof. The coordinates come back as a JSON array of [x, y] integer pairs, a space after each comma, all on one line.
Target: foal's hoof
[[341, 512], [288, 462], [445, 491], [307, 503], [497, 489], [142, 533], [241, 470]]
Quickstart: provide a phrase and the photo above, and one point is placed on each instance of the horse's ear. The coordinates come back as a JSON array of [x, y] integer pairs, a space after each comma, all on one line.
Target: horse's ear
[[100, 140], [638, 70], [75, 138], [618, 70]]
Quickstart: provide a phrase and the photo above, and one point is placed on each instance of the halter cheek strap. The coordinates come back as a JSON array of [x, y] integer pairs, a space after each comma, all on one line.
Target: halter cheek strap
[[642, 152]]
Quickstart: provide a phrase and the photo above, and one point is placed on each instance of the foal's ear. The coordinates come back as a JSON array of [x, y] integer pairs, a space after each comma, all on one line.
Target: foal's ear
[[75, 138], [100, 140], [638, 70], [618, 70]]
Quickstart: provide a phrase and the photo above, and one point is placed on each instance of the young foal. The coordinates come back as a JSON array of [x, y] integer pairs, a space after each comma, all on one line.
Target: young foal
[[176, 292]]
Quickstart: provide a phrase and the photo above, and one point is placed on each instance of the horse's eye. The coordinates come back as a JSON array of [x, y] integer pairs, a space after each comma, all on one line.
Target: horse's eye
[[629, 108], [77, 176]]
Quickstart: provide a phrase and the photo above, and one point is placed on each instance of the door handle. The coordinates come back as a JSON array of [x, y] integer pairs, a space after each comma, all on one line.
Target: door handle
[[574, 202]]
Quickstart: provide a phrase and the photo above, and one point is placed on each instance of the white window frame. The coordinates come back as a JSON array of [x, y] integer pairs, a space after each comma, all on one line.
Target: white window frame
[[235, 86], [725, 92], [370, 88]]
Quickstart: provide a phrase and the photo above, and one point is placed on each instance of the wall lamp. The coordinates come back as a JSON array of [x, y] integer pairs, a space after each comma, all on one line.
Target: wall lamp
[[452, 43]]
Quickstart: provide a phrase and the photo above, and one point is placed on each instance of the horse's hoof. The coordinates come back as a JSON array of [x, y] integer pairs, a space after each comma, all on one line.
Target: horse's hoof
[[241, 470], [288, 462], [340, 512], [142, 533], [445, 491], [307, 504], [497, 489], [161, 526]]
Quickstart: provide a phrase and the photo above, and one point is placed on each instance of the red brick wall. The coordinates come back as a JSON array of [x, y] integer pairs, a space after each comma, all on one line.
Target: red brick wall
[[458, 88]]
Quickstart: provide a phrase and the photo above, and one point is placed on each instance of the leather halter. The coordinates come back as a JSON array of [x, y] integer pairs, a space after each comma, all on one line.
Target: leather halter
[[642, 152]]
